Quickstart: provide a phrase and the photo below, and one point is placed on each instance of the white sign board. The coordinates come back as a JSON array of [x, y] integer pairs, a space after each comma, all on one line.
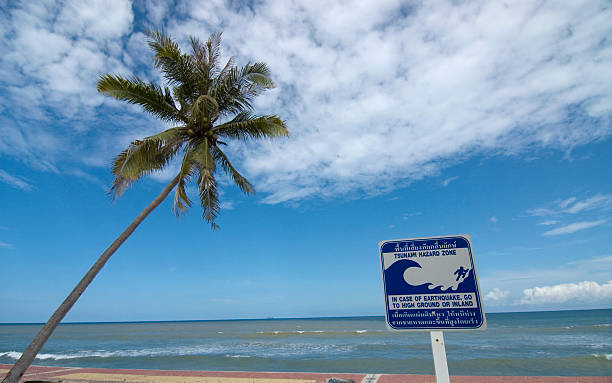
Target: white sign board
[[431, 284]]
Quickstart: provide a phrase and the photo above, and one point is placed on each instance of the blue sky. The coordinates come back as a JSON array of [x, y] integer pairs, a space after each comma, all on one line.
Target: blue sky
[[406, 120]]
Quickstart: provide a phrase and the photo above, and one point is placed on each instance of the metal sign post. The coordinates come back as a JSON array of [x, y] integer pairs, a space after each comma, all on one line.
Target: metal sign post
[[439, 356], [431, 284]]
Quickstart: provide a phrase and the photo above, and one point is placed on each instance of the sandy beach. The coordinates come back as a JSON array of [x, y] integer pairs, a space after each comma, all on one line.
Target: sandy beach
[[75, 374]]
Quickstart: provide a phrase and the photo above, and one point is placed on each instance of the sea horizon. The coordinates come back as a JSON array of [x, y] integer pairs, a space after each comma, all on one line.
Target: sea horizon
[[276, 318]]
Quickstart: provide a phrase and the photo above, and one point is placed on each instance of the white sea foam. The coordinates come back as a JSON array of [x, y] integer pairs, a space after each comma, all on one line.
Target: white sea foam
[[599, 345], [173, 351], [606, 356], [361, 331], [11, 354], [249, 349], [278, 332]]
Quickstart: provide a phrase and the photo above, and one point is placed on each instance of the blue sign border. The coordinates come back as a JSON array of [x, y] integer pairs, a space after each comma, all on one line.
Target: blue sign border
[[468, 240]]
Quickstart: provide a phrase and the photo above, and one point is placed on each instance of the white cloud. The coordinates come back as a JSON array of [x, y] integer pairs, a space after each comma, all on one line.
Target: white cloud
[[376, 95], [5, 245], [156, 11], [587, 291], [447, 181], [516, 279], [493, 219], [16, 182], [377, 103], [573, 227], [496, 294], [95, 19], [548, 222], [55, 52]]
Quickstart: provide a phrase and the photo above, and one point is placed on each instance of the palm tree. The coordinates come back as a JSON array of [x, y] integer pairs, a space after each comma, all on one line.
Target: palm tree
[[207, 104]]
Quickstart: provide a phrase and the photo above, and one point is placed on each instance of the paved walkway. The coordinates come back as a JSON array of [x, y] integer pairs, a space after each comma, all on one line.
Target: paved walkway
[[101, 375]]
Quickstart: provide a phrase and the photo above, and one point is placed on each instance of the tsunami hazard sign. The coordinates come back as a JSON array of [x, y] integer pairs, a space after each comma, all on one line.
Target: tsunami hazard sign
[[431, 284]]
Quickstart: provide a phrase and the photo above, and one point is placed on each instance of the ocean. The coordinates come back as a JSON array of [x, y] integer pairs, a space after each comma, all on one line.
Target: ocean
[[560, 343]]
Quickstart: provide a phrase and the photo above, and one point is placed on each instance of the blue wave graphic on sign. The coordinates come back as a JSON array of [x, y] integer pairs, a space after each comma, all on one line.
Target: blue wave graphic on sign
[[395, 283]]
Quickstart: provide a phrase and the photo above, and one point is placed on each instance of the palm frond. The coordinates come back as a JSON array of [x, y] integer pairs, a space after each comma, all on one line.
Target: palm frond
[[236, 89], [207, 185], [226, 165], [181, 200], [176, 66], [213, 47], [149, 96], [227, 67], [143, 157], [209, 196], [247, 126], [202, 66], [258, 73]]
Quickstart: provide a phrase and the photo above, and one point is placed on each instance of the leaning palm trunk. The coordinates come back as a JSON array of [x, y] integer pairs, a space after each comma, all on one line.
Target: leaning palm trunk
[[40, 339]]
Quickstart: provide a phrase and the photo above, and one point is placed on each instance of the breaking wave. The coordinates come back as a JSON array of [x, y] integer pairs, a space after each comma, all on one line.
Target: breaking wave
[[247, 350]]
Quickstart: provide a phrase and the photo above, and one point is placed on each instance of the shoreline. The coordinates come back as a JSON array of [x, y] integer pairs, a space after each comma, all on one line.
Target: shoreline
[[78, 374]]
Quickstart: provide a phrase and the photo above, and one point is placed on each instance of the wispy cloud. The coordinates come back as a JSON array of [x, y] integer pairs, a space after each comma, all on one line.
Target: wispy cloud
[[573, 227], [548, 222], [604, 261], [574, 205], [227, 205], [14, 181], [5, 245], [413, 214], [587, 291], [598, 201], [574, 208], [88, 177], [447, 181], [566, 202], [542, 212]]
